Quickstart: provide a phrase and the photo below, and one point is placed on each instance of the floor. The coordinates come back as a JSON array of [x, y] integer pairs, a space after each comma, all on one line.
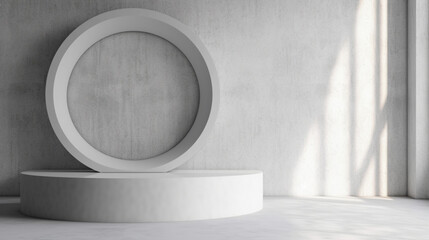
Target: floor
[[282, 218]]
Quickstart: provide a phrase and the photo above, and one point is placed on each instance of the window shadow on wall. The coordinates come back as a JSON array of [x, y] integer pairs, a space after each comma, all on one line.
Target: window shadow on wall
[[352, 141], [376, 144]]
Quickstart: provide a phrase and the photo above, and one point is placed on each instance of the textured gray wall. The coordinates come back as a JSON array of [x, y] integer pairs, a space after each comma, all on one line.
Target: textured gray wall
[[418, 94], [133, 95], [312, 92]]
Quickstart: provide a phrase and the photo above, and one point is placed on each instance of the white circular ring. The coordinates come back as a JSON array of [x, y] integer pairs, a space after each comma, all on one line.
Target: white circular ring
[[135, 20]]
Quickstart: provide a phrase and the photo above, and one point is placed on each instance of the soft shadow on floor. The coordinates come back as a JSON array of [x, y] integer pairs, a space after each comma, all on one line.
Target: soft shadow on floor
[[9, 208]]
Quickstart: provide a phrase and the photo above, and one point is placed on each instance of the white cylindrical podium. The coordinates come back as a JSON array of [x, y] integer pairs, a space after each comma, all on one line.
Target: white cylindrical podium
[[179, 195]]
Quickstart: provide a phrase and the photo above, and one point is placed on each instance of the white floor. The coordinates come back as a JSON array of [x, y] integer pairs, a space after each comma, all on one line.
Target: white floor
[[282, 218]]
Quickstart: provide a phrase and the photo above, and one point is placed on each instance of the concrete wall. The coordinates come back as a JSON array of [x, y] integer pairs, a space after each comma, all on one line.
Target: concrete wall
[[418, 98], [312, 92], [133, 95]]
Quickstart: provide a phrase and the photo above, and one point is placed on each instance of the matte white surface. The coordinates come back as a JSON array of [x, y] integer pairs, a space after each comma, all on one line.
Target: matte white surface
[[418, 98], [140, 197], [281, 219], [134, 20]]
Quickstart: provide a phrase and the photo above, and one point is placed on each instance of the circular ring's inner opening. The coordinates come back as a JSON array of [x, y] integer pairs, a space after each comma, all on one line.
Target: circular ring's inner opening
[[133, 95]]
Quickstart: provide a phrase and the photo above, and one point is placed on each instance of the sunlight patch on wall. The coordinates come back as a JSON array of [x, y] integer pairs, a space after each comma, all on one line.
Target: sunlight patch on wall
[[337, 124], [346, 147], [306, 175]]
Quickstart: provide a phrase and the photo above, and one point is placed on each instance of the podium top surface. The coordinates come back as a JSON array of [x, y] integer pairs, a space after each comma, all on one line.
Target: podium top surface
[[171, 174]]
